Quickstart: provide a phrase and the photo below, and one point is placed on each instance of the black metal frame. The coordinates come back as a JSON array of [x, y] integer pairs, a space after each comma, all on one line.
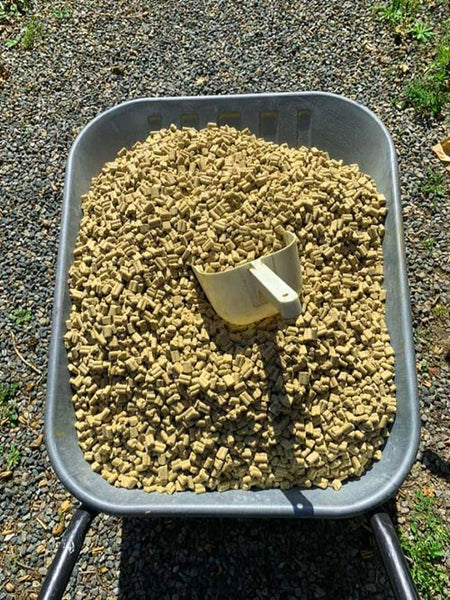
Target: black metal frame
[[62, 566], [61, 569], [392, 555]]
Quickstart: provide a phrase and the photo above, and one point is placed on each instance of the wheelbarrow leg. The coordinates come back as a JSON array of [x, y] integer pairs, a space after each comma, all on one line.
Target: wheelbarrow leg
[[62, 566], [393, 557]]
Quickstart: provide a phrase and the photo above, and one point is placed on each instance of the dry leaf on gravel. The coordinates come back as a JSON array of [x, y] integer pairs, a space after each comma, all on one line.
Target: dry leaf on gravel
[[442, 151], [66, 506], [58, 529]]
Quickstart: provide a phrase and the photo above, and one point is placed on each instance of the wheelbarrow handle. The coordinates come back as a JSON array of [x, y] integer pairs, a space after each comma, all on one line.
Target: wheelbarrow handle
[[393, 557], [62, 566]]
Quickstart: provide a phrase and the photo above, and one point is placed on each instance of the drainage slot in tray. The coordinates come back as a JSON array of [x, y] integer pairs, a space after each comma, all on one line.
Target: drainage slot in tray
[[229, 118], [304, 127], [268, 124], [189, 120], [155, 122]]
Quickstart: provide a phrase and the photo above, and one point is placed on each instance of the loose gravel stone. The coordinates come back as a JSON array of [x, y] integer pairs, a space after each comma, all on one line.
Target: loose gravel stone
[[102, 54]]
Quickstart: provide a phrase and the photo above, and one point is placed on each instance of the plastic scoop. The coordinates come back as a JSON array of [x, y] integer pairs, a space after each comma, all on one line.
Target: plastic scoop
[[258, 289]]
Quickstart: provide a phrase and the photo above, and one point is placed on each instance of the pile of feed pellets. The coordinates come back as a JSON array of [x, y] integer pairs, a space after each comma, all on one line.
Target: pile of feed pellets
[[167, 396]]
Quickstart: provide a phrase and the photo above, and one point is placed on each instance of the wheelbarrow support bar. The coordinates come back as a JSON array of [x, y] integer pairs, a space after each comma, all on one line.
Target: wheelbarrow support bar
[[393, 557], [61, 569]]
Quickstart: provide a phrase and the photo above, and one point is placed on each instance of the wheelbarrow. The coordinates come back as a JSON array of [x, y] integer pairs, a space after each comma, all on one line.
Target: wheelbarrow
[[347, 131]]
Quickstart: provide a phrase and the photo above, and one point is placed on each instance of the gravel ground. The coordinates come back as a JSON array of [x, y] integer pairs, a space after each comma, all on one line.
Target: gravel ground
[[103, 53]]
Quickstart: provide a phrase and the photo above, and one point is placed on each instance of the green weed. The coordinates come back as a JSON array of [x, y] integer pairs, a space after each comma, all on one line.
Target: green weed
[[33, 32], [8, 410], [21, 315], [441, 311], [443, 52], [397, 11], [62, 12], [434, 185], [429, 243], [421, 32], [431, 93], [13, 9], [423, 333], [12, 42], [12, 457], [427, 95], [390, 15], [424, 546]]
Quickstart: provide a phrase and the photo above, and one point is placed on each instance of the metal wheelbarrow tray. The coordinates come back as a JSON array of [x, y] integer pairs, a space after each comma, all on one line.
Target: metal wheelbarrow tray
[[347, 131]]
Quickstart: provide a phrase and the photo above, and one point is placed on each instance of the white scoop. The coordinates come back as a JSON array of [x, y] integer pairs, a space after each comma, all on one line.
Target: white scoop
[[258, 289]]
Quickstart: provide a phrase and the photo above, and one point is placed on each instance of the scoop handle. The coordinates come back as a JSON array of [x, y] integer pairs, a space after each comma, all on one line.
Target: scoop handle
[[277, 291]]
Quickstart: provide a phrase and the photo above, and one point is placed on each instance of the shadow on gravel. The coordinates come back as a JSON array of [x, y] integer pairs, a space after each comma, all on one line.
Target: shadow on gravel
[[434, 463], [260, 558]]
